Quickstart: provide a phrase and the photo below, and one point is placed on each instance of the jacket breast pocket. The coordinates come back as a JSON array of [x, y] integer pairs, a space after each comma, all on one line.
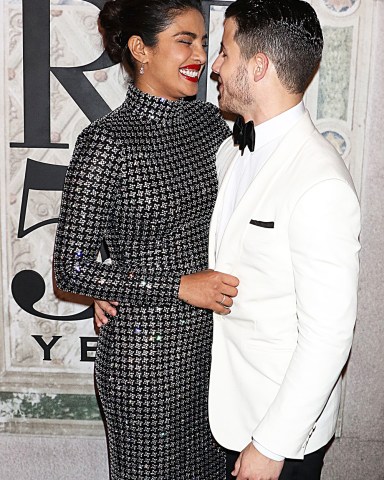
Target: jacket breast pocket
[[260, 237], [262, 223]]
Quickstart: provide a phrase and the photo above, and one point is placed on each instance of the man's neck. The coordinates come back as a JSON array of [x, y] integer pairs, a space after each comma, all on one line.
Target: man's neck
[[271, 107]]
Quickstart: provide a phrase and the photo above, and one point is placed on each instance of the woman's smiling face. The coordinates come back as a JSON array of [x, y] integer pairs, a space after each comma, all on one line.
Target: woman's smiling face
[[174, 65]]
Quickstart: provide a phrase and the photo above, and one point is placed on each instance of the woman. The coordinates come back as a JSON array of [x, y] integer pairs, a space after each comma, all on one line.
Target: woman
[[143, 179]]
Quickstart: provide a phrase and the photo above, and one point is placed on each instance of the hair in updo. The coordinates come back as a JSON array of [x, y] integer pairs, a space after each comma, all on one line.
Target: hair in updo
[[120, 19]]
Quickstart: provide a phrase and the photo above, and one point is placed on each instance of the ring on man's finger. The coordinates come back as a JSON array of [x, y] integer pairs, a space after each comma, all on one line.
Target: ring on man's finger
[[223, 299]]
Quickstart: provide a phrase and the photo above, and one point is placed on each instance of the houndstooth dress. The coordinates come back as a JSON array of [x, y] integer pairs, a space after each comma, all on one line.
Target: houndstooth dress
[[143, 178]]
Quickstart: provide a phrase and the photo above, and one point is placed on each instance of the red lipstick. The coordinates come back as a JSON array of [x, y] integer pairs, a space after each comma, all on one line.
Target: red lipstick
[[190, 72]]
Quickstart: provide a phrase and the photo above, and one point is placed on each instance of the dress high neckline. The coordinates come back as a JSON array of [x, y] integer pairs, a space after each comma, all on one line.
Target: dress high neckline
[[154, 108]]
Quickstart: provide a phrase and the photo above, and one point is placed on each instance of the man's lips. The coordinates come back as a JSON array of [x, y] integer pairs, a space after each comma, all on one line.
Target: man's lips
[[190, 72]]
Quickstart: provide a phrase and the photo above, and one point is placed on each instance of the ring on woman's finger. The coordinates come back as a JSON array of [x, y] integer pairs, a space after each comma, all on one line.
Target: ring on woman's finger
[[223, 299]]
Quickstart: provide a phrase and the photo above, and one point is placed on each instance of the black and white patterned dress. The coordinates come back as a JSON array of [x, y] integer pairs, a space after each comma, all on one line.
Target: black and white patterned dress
[[143, 178]]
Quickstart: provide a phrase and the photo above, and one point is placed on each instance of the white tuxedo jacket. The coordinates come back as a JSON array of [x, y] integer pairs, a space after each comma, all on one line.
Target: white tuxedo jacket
[[293, 243]]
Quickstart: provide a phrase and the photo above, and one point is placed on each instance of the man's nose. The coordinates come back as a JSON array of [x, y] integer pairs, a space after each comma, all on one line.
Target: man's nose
[[216, 65]]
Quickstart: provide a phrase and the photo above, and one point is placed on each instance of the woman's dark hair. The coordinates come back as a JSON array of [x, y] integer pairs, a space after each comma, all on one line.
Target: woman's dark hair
[[120, 19], [287, 31]]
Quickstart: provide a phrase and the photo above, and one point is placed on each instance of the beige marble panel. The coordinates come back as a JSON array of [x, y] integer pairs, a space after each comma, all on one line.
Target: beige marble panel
[[31, 388], [56, 396]]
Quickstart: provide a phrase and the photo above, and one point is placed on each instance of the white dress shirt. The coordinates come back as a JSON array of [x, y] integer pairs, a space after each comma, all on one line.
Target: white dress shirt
[[247, 166]]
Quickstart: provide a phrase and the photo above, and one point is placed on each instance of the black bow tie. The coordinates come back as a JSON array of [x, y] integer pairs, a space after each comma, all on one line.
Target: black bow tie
[[244, 134]]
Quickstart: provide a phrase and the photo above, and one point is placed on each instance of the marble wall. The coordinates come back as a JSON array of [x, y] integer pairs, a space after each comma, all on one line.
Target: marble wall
[[46, 355], [359, 453], [46, 381]]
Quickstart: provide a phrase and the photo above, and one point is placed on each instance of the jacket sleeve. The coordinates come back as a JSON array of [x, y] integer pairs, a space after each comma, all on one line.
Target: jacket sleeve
[[91, 185], [323, 239]]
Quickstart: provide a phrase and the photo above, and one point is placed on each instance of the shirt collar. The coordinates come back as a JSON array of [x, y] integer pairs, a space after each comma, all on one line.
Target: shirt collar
[[278, 126]]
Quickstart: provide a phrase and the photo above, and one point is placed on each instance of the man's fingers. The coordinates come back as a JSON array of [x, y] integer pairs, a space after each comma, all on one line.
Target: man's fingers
[[98, 322], [102, 307], [236, 470], [99, 313]]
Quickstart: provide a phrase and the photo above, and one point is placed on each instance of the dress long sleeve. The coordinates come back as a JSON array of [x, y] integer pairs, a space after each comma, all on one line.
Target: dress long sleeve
[[131, 182], [91, 187]]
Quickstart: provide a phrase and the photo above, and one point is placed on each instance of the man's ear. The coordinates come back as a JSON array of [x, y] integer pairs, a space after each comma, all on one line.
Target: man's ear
[[138, 49], [260, 64]]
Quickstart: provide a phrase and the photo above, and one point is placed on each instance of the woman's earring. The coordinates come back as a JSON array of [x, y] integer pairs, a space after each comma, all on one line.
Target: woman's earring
[[141, 71]]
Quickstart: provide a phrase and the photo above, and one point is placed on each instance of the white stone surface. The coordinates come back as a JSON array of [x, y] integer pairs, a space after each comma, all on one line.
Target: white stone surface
[[359, 454], [54, 458]]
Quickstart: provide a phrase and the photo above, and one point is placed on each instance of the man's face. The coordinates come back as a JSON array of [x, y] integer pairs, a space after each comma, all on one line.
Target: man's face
[[234, 85]]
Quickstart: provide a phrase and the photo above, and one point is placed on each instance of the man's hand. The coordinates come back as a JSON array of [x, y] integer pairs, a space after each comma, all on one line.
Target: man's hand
[[252, 465], [102, 307], [209, 289]]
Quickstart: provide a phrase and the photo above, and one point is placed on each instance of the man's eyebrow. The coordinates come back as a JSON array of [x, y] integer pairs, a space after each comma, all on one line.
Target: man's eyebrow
[[190, 34]]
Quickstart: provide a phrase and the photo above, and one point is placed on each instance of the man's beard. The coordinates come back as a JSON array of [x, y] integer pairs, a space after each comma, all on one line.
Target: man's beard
[[236, 92]]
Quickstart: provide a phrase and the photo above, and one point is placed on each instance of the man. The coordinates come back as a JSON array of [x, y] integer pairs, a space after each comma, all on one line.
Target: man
[[286, 223]]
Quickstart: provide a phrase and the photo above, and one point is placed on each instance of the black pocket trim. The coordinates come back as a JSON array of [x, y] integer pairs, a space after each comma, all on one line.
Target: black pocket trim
[[259, 223]]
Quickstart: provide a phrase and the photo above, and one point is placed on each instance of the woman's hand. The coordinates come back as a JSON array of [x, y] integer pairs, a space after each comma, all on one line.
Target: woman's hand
[[209, 289]]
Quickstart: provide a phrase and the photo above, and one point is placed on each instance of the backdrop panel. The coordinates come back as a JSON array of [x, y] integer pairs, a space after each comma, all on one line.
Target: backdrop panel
[[54, 80]]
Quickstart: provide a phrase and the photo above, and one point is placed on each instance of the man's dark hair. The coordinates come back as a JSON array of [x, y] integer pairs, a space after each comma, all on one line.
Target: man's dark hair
[[287, 31]]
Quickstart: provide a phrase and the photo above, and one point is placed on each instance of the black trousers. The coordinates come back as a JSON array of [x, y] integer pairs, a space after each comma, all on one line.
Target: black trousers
[[307, 469]]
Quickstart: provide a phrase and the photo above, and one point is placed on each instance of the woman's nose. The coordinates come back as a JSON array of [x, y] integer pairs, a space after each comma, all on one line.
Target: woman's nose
[[200, 55]]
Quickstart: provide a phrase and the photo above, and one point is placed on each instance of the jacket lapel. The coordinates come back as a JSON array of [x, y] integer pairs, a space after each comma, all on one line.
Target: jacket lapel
[[280, 160], [226, 159]]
